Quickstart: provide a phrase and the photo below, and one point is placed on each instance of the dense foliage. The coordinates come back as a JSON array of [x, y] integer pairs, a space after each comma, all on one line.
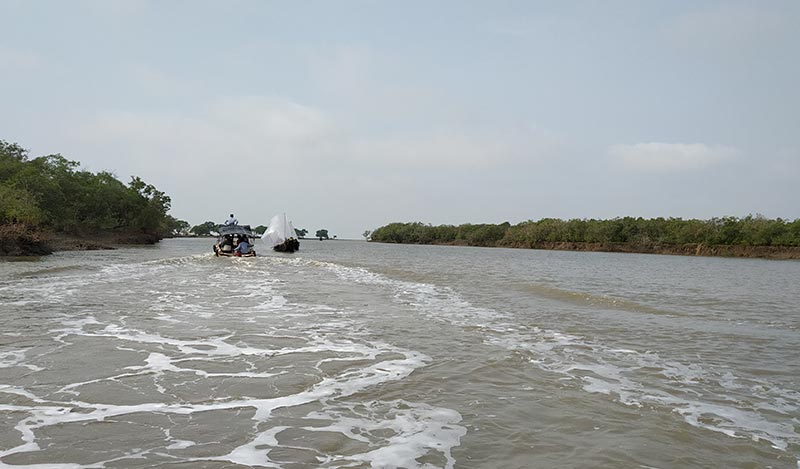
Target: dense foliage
[[53, 193], [747, 231], [204, 229]]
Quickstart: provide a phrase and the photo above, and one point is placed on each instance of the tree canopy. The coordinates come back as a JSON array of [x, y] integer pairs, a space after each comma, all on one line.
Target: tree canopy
[[53, 193], [748, 231], [205, 229]]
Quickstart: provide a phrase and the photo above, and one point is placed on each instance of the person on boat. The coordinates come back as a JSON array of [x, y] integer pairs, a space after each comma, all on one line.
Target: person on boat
[[227, 244], [242, 248], [231, 221]]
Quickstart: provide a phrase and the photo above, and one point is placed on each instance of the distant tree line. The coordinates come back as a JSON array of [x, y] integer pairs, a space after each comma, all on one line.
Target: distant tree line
[[210, 227], [747, 231], [204, 229], [52, 193]]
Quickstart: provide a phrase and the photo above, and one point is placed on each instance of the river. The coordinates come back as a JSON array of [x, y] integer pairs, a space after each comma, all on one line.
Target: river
[[355, 354]]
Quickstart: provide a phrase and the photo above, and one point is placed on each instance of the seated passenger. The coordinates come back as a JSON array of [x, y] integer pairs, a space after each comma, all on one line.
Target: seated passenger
[[242, 248]]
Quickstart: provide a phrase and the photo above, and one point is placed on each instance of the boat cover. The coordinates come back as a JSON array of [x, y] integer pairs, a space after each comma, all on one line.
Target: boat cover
[[224, 230], [279, 230]]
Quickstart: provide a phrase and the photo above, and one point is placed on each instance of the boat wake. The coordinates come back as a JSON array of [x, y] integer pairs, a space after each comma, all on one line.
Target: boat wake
[[193, 373], [704, 395]]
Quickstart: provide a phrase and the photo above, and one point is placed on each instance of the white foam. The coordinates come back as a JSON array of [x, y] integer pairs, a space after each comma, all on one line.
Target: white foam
[[253, 453], [438, 302], [416, 428], [169, 362], [609, 370], [14, 358]]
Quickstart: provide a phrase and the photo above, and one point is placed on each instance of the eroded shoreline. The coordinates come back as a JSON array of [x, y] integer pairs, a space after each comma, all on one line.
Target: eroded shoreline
[[19, 240], [752, 252]]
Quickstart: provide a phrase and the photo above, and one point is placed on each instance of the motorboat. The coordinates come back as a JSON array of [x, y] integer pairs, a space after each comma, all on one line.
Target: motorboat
[[230, 237]]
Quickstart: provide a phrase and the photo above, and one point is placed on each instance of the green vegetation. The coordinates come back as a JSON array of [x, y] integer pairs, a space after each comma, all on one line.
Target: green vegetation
[[322, 234], [205, 229], [419, 233], [635, 232], [180, 228], [52, 194]]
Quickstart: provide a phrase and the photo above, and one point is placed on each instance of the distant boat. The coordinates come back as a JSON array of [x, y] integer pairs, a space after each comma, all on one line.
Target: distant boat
[[281, 235], [229, 238]]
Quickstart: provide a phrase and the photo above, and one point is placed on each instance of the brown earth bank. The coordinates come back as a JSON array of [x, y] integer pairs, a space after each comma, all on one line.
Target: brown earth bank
[[763, 252], [24, 240], [717, 250], [19, 239]]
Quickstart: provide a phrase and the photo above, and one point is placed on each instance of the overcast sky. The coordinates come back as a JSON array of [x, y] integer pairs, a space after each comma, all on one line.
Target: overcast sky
[[348, 115]]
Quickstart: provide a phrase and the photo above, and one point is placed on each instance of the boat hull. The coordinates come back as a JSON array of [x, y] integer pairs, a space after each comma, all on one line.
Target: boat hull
[[228, 254], [290, 245]]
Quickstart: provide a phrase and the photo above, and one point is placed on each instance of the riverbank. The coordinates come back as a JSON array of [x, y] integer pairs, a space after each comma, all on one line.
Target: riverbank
[[24, 240], [753, 252], [758, 252], [751, 236], [19, 239]]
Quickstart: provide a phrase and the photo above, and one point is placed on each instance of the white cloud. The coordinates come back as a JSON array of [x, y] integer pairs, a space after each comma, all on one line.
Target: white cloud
[[255, 126], [255, 149], [271, 120], [671, 156], [274, 153]]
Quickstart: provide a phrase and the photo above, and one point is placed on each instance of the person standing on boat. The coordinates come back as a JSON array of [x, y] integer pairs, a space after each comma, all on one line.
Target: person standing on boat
[[231, 221]]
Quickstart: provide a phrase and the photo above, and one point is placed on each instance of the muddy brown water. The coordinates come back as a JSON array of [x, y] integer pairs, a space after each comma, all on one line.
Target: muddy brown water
[[354, 354]]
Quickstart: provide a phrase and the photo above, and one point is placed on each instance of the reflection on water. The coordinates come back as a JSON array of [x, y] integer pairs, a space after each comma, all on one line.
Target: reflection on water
[[350, 354]]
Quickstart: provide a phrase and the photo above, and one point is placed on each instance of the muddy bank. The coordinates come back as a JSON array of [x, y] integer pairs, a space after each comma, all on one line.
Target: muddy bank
[[755, 252], [763, 252], [25, 240], [99, 242], [19, 239]]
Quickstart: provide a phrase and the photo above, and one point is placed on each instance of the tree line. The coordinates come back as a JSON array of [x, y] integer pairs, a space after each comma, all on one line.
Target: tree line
[[52, 193], [209, 228], [638, 232]]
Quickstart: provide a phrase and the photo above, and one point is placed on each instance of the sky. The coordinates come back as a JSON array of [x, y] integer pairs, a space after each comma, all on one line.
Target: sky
[[349, 115]]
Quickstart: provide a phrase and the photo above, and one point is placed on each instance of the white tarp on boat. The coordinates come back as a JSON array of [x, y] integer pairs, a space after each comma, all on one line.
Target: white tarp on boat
[[280, 229]]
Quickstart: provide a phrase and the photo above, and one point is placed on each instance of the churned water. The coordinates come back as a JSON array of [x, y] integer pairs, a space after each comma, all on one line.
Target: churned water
[[353, 354]]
